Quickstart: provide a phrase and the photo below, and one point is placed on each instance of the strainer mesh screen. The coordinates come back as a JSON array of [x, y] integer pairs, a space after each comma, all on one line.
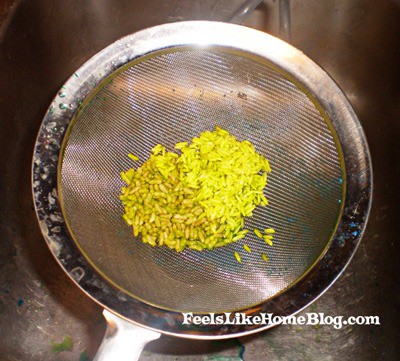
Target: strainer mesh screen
[[173, 97]]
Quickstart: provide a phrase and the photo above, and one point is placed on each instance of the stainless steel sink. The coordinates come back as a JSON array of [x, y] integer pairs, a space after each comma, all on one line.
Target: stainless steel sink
[[42, 42]]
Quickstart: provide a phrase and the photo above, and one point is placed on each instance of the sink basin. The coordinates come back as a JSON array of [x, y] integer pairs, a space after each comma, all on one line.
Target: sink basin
[[42, 42]]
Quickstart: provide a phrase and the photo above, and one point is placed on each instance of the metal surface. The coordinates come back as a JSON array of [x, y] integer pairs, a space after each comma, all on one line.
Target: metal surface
[[320, 194], [168, 97], [244, 11], [356, 41], [284, 20], [123, 340]]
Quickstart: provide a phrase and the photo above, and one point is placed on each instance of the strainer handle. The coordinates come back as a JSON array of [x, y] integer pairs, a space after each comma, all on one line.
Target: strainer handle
[[123, 340]]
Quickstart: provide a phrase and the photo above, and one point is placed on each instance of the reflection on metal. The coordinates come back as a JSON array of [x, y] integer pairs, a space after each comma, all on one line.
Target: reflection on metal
[[123, 341], [284, 20], [244, 11], [340, 35], [296, 67]]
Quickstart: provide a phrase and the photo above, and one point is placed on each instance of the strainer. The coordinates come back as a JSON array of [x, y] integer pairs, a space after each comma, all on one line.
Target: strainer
[[168, 84]]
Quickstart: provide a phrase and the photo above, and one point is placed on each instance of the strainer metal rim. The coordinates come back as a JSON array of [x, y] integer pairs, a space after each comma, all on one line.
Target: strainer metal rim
[[295, 64]]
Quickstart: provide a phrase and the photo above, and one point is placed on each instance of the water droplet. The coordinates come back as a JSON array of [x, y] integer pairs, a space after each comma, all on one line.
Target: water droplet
[[63, 106], [55, 217], [62, 94], [99, 284], [121, 296], [76, 75], [51, 199], [77, 273], [51, 110]]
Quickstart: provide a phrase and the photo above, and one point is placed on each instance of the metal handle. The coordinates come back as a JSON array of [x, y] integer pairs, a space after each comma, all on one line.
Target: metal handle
[[284, 20], [239, 16], [123, 340], [284, 16]]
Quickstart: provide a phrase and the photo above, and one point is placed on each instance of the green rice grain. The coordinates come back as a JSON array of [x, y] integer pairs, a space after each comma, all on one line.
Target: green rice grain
[[268, 240], [133, 157], [247, 248], [237, 256], [197, 198], [258, 233]]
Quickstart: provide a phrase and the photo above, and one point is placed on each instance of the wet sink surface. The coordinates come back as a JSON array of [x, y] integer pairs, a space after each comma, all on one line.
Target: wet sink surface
[[43, 42]]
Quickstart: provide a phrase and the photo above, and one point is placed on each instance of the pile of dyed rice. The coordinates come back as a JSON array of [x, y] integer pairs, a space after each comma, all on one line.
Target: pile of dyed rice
[[198, 198]]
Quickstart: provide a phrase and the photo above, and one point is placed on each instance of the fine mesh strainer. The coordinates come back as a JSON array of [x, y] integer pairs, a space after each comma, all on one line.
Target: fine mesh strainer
[[166, 85]]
